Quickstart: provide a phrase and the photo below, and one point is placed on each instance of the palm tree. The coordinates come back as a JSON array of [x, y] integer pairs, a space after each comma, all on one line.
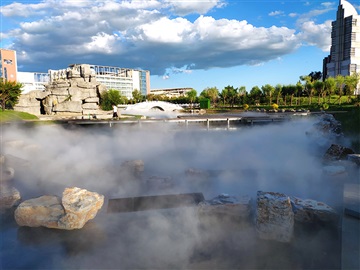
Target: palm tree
[[10, 92]]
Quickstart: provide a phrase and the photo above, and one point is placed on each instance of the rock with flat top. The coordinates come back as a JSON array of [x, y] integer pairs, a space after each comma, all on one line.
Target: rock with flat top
[[274, 216], [225, 204], [311, 211]]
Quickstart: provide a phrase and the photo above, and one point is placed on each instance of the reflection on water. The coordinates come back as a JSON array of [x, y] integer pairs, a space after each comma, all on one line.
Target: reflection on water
[[277, 158]]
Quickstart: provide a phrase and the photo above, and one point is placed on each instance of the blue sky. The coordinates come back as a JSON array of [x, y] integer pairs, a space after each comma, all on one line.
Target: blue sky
[[184, 43]]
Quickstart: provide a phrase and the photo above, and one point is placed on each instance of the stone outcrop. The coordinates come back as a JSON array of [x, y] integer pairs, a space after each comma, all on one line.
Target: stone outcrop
[[337, 152], [326, 130], [311, 211], [72, 211], [274, 216], [73, 91], [225, 204]]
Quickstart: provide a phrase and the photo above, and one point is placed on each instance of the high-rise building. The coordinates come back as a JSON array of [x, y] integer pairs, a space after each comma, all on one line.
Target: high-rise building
[[344, 58], [8, 65]]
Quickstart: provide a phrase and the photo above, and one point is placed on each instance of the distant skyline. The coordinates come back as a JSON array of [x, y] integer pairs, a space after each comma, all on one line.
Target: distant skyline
[[197, 43]]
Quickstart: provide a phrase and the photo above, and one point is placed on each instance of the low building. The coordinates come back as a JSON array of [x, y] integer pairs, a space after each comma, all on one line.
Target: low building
[[171, 92], [32, 81]]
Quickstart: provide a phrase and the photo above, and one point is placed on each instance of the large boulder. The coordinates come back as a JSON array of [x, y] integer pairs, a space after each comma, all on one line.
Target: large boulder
[[311, 211], [72, 211], [42, 211], [80, 206], [274, 216], [68, 106]]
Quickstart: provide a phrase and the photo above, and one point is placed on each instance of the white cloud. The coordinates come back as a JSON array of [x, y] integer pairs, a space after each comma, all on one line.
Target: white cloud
[[317, 34], [276, 13], [185, 7]]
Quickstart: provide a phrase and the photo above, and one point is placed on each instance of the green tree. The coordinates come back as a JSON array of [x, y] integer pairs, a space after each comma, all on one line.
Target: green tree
[[278, 92], [330, 86], [340, 83], [268, 91], [110, 97], [298, 92], [255, 94], [191, 95], [231, 95], [211, 93], [242, 93], [137, 96], [320, 89], [10, 92], [351, 83]]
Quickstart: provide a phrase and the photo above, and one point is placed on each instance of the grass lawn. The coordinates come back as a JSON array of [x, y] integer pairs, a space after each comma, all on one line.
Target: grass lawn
[[7, 116]]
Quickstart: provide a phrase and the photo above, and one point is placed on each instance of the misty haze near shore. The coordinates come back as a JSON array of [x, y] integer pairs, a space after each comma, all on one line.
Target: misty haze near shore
[[277, 157]]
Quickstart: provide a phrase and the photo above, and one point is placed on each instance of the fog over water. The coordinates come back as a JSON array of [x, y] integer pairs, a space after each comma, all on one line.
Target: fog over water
[[274, 157]]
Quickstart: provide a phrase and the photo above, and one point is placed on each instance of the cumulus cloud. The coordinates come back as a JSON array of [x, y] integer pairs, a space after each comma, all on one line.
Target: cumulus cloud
[[317, 34], [142, 34], [185, 7]]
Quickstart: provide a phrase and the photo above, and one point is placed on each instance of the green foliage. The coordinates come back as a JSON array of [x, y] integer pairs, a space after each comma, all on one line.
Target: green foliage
[[137, 96], [9, 93], [191, 95], [109, 98], [325, 106], [245, 107]]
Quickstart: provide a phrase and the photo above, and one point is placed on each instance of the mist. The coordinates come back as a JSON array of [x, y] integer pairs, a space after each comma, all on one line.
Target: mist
[[277, 157]]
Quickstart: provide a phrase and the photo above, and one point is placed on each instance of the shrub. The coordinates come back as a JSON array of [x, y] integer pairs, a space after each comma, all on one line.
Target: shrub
[[325, 106], [275, 106], [109, 98], [246, 107]]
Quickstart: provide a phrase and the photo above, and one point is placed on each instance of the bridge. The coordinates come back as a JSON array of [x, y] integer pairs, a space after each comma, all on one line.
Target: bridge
[[154, 106]]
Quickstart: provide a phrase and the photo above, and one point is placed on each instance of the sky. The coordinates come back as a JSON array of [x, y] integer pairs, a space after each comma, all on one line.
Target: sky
[[183, 43]]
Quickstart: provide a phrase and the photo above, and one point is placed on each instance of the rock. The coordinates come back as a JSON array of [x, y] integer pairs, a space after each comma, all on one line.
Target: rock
[[6, 174], [9, 197], [80, 206], [42, 211], [311, 211], [337, 152], [134, 167], [226, 205], [274, 216], [68, 106], [76, 207], [354, 158], [90, 106]]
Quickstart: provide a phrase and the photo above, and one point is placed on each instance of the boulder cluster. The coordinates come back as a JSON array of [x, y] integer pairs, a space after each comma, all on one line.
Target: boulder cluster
[[70, 92]]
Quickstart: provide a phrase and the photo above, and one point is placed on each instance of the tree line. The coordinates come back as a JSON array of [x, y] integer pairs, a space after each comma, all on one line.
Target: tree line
[[304, 91]]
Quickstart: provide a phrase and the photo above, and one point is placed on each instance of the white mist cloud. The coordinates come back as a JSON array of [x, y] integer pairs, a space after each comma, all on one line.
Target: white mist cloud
[[276, 157]]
